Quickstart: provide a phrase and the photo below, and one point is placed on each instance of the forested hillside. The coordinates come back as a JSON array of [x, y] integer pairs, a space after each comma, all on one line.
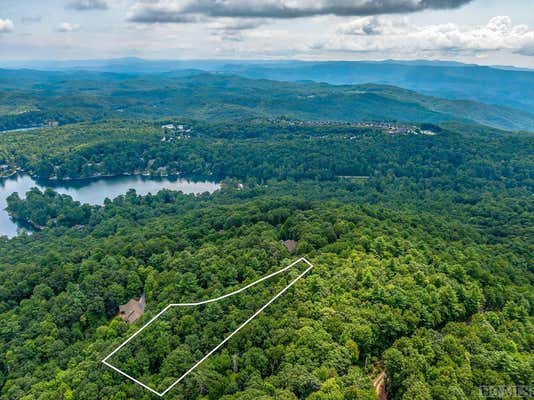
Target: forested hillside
[[455, 156], [509, 87], [381, 274], [491, 85], [266, 200], [422, 246], [33, 98]]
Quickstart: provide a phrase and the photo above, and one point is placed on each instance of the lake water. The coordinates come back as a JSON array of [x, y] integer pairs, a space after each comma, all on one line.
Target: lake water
[[22, 129], [93, 191]]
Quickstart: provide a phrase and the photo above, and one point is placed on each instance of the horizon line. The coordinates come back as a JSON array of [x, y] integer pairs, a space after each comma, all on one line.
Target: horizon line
[[19, 64]]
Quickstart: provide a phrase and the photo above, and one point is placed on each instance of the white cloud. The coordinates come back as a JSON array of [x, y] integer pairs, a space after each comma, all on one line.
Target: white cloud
[[373, 26], [6, 25], [68, 27], [83, 5], [237, 25], [165, 11], [234, 29], [372, 34]]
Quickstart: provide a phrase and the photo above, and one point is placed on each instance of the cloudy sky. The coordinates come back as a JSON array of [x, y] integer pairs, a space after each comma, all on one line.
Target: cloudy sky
[[480, 31]]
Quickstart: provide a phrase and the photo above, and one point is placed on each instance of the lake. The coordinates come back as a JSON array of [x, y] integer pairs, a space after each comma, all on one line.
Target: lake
[[22, 129], [93, 191]]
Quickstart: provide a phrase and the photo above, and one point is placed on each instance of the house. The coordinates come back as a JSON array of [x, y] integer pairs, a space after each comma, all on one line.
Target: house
[[169, 127], [133, 310], [291, 245], [169, 132]]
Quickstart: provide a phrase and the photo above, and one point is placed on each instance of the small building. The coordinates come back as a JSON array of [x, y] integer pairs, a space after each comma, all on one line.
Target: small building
[[173, 132], [291, 245], [169, 127], [52, 124], [169, 132], [133, 310]]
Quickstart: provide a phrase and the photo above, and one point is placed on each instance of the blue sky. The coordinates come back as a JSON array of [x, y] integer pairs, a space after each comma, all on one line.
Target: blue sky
[[479, 31]]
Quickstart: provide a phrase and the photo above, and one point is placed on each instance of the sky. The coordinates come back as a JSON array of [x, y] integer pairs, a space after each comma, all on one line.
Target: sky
[[489, 32]]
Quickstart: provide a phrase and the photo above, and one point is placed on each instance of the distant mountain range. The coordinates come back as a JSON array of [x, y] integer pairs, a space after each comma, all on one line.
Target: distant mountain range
[[32, 97], [505, 86], [511, 88]]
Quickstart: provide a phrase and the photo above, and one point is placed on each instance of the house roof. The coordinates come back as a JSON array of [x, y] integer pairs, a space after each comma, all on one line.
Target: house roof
[[133, 310], [291, 245]]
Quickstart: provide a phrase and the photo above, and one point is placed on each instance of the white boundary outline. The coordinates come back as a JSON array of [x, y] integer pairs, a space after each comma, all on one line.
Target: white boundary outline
[[105, 360]]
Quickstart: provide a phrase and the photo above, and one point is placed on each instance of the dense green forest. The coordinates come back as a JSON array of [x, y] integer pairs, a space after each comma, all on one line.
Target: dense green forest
[[389, 278], [452, 80], [422, 243], [262, 150], [31, 98], [485, 84]]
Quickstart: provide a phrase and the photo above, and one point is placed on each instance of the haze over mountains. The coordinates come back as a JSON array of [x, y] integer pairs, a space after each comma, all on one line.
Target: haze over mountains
[[142, 90], [506, 86]]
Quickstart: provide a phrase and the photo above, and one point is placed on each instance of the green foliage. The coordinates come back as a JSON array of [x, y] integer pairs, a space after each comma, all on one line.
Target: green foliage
[[39, 209], [382, 274], [88, 97], [422, 245], [453, 160], [491, 349]]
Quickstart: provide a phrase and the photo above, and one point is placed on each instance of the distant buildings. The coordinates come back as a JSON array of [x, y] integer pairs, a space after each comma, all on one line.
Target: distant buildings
[[386, 127], [428, 132], [51, 124], [133, 310], [172, 132], [391, 128]]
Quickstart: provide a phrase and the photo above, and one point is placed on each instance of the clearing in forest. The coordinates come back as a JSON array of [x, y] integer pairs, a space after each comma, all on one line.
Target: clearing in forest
[[181, 337]]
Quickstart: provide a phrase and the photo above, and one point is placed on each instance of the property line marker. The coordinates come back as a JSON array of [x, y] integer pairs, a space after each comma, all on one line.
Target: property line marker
[[105, 360]]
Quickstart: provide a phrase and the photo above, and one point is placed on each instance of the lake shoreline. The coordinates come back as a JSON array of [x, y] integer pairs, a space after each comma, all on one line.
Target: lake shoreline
[[21, 171], [94, 191], [92, 178], [11, 175]]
